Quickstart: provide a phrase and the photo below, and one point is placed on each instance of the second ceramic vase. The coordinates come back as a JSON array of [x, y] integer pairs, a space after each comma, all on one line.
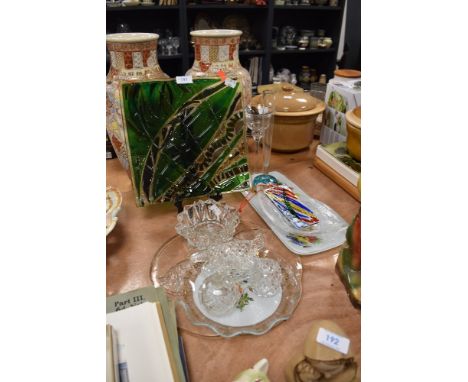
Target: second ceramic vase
[[218, 50]]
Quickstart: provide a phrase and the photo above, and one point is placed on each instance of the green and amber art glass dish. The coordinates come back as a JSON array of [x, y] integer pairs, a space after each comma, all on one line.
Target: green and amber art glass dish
[[184, 140]]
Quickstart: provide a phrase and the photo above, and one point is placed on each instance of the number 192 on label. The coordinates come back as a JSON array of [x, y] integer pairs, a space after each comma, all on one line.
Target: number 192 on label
[[333, 341]]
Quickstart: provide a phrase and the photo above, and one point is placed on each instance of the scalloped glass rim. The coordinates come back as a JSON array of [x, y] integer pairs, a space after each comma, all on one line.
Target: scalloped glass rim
[[291, 289]]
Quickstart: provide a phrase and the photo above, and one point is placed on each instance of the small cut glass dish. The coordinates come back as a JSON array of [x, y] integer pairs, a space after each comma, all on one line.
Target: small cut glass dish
[[113, 206], [207, 222], [243, 286]]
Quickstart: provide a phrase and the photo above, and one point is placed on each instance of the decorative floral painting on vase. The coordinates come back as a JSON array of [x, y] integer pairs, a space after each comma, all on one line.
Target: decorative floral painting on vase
[[184, 140]]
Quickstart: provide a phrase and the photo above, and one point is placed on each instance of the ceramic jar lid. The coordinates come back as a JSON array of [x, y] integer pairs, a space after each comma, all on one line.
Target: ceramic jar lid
[[292, 100], [277, 87], [353, 117], [348, 73]]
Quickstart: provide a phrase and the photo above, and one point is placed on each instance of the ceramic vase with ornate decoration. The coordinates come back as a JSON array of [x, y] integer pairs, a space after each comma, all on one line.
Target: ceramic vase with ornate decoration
[[218, 50], [133, 58]]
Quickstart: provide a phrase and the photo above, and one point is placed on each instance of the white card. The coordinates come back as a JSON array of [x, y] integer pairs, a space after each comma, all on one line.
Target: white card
[[230, 82], [333, 341], [184, 80]]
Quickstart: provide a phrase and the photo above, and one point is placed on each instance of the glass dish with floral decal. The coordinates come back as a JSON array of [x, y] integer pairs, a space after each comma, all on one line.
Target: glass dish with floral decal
[[243, 286]]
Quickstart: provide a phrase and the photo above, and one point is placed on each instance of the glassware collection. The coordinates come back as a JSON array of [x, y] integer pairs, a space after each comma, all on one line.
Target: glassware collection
[[289, 38], [246, 24], [244, 285], [229, 149], [205, 134], [169, 46], [307, 78]]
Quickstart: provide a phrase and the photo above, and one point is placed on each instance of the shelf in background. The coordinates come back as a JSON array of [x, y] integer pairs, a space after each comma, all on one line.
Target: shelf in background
[[224, 6], [257, 52], [263, 18], [243, 53], [172, 57], [144, 7], [297, 51], [307, 7]]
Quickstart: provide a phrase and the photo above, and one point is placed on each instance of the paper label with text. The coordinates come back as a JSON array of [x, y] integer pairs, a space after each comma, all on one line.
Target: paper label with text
[[184, 80], [333, 341], [230, 82]]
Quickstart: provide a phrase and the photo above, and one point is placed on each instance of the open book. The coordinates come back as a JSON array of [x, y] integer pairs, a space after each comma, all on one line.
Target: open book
[[112, 361], [130, 300], [144, 351]]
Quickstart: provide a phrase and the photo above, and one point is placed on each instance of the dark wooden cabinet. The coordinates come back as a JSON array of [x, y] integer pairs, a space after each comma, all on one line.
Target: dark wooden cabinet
[[262, 19]]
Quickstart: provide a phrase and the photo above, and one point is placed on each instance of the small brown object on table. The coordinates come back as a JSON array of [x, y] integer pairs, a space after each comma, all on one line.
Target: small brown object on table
[[141, 231]]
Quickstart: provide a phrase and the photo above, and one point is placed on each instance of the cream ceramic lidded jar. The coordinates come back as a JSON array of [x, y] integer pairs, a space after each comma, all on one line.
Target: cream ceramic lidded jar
[[218, 50], [133, 58], [295, 116]]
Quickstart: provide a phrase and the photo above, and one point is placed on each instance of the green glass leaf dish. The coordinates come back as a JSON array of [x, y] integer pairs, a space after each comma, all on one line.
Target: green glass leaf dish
[[184, 140]]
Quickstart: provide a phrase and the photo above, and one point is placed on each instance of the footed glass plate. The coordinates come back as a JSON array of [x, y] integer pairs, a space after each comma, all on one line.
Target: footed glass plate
[[178, 268]]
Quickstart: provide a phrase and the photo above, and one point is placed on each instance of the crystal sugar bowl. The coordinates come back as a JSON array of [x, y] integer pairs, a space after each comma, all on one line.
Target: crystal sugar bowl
[[219, 294], [207, 222]]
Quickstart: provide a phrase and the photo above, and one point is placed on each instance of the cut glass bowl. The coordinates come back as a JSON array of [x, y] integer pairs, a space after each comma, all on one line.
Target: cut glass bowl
[[207, 222]]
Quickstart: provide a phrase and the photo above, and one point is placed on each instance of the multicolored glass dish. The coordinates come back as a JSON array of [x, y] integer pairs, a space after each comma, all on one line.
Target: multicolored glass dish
[[288, 203]]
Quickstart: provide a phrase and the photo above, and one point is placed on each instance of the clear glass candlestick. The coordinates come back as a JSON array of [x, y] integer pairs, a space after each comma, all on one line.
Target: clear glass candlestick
[[259, 119]]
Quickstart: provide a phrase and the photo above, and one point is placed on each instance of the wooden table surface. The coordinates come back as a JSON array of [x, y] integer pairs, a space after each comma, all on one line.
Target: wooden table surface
[[141, 231]]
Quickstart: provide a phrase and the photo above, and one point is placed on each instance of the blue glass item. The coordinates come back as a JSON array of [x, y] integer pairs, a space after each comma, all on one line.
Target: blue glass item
[[184, 140], [265, 180]]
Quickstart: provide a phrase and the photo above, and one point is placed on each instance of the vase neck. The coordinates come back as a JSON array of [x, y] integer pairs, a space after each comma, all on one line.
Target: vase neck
[[132, 60], [216, 53]]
